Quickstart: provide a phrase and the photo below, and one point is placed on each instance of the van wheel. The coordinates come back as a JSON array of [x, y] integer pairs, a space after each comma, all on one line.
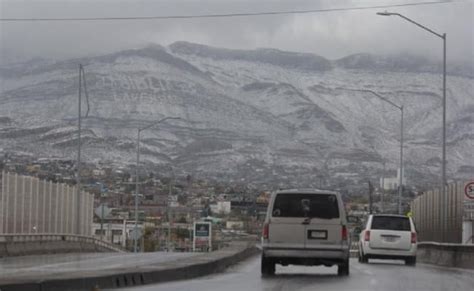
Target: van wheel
[[267, 267], [411, 261], [343, 269]]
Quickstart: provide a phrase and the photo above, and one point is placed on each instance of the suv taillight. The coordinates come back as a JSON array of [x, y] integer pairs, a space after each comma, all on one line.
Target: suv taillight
[[413, 238], [266, 230], [367, 235], [344, 232]]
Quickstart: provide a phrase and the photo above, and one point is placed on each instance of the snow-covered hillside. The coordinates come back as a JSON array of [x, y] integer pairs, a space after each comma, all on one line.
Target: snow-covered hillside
[[265, 115]]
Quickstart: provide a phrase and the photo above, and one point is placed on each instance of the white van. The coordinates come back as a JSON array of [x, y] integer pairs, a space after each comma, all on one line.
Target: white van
[[305, 227], [387, 236]]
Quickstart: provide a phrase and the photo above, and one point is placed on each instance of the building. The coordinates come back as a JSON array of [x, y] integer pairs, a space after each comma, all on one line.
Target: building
[[221, 207], [391, 183], [116, 233]]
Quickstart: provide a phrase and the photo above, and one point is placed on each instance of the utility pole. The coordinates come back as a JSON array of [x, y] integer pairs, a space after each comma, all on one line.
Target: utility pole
[[78, 166], [371, 190], [135, 238], [168, 211], [82, 82], [400, 190], [382, 194]]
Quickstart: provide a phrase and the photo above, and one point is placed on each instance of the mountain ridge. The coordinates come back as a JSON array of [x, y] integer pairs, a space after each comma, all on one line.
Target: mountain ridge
[[259, 109]]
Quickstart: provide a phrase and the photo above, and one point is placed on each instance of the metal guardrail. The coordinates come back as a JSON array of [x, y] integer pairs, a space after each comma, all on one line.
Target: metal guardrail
[[45, 237]]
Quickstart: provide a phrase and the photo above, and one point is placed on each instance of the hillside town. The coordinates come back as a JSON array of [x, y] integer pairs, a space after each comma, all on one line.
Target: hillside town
[[170, 203]]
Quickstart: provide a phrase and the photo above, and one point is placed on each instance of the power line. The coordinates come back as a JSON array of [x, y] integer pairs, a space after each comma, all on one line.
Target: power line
[[225, 15]]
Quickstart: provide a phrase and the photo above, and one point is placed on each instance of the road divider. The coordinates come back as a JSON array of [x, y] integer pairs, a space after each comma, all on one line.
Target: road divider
[[185, 268], [446, 254]]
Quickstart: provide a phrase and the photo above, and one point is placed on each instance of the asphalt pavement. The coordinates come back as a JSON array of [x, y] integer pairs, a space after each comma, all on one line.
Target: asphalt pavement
[[377, 275]]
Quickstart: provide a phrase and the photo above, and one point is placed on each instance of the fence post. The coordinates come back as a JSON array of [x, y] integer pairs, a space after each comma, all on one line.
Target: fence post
[[43, 228], [85, 206], [22, 218], [15, 198], [2, 202], [30, 204], [37, 204], [56, 210], [91, 214], [432, 215], [73, 209], [61, 210], [7, 204], [50, 219], [81, 207], [67, 209]]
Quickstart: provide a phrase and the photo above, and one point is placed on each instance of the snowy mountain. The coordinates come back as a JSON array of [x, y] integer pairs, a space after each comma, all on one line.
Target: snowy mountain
[[264, 116]]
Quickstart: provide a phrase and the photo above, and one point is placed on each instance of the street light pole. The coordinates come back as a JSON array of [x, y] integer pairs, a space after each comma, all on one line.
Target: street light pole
[[135, 232], [400, 187], [399, 107], [444, 197], [140, 129], [383, 189]]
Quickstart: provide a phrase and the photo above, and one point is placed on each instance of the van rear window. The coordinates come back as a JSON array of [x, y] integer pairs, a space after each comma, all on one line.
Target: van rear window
[[391, 223], [323, 206]]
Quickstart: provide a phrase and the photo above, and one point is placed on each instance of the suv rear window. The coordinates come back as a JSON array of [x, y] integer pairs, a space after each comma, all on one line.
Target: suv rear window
[[306, 205], [391, 223]]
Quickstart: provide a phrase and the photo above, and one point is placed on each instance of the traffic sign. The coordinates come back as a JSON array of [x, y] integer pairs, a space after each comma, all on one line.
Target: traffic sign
[[136, 234], [469, 190], [102, 210]]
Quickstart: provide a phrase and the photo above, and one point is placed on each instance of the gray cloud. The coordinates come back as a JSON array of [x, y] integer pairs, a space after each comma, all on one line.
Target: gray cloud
[[332, 34]]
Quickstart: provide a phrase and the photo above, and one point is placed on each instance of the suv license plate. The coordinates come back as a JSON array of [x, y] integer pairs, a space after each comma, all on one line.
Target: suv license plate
[[390, 239], [317, 234]]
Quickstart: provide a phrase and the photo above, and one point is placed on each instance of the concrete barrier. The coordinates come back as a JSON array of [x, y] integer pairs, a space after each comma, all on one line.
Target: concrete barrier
[[446, 254], [181, 269], [32, 244]]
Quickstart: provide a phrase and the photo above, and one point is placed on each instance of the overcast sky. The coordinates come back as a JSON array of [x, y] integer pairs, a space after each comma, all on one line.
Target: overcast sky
[[330, 34]]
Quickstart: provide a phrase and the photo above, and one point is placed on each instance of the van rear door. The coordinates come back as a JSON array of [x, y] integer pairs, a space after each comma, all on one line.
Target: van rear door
[[323, 222], [285, 228]]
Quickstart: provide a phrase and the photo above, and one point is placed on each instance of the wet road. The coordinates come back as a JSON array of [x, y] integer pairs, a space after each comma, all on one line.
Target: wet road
[[377, 275]]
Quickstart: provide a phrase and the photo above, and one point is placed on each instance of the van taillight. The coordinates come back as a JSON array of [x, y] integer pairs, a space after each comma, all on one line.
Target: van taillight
[[344, 232], [367, 235], [413, 238], [266, 230]]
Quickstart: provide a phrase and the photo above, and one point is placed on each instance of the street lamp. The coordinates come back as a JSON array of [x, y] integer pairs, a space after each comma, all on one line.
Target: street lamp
[[443, 166], [399, 107], [140, 129], [82, 83]]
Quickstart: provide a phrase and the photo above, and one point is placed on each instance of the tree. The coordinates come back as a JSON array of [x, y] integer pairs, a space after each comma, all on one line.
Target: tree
[[149, 239]]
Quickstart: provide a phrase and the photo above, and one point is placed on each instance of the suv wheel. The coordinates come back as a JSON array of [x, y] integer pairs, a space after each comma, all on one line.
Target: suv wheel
[[411, 261], [343, 269], [267, 267], [363, 258]]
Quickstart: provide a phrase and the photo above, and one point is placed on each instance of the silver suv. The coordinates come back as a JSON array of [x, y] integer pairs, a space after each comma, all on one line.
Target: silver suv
[[305, 227]]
